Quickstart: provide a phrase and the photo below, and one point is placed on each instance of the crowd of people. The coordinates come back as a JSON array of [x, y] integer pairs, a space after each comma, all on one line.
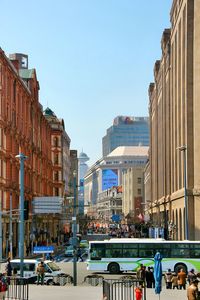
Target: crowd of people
[[173, 280]]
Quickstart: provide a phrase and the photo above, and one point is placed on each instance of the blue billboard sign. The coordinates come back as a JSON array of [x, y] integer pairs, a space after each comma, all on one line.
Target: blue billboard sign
[[43, 249], [116, 218], [109, 178]]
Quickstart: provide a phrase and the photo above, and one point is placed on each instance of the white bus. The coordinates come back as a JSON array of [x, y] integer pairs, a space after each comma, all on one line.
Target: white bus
[[118, 255]]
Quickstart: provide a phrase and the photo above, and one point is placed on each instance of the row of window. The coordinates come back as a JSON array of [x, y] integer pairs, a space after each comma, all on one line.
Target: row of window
[[129, 250]]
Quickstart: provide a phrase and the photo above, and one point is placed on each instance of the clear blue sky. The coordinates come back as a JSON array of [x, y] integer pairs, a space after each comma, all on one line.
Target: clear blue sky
[[94, 58]]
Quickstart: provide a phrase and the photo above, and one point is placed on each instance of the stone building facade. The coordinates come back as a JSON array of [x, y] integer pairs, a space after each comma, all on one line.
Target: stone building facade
[[24, 129], [174, 122]]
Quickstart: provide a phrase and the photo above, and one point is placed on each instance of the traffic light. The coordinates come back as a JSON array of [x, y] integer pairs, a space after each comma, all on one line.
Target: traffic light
[[26, 209]]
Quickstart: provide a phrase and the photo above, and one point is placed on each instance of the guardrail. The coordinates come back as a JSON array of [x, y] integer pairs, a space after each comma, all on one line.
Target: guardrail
[[62, 279], [18, 288], [114, 289], [94, 279]]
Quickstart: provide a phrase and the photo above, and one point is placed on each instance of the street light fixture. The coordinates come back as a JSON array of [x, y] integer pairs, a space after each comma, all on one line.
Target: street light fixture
[[184, 149], [21, 157]]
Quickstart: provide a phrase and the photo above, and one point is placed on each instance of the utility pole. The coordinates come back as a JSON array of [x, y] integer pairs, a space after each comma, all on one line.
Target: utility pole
[[1, 231], [74, 228], [21, 157], [10, 229]]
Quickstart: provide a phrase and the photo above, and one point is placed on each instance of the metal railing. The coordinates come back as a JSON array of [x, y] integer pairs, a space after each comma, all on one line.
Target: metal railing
[[62, 279], [94, 279], [114, 289], [18, 288]]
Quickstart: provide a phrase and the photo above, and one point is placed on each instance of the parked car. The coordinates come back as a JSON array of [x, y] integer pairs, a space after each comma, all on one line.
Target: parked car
[[84, 244], [69, 251], [30, 266]]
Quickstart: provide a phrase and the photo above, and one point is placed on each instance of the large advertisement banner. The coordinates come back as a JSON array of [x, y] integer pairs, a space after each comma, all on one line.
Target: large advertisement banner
[[109, 178]]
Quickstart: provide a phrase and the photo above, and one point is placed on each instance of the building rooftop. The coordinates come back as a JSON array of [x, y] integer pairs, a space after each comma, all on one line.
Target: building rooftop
[[130, 151]]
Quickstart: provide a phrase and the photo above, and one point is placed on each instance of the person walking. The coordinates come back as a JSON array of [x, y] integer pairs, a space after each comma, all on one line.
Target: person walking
[[168, 279], [141, 274], [191, 276], [182, 279], [8, 268], [3, 286], [138, 292], [79, 254], [40, 273], [149, 277], [192, 290], [174, 281]]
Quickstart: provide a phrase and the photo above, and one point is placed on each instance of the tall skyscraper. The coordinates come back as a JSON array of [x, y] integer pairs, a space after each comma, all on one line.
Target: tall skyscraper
[[82, 169], [126, 131]]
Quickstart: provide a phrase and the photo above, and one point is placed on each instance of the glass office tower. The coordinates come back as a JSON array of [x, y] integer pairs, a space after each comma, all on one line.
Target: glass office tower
[[126, 131]]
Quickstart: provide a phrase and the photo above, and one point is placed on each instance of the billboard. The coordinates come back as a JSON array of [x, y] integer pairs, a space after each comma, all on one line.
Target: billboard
[[109, 178]]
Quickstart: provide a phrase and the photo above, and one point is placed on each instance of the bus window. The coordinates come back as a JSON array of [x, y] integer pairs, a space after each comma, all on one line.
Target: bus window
[[180, 253], [195, 253], [97, 251], [181, 246], [146, 253], [116, 253], [163, 252], [128, 253]]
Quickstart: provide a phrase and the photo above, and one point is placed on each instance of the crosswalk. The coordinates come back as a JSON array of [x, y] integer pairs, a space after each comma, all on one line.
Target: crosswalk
[[68, 259]]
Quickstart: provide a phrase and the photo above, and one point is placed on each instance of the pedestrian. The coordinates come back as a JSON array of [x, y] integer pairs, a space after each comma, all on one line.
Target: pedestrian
[[192, 290], [104, 297], [182, 279], [141, 274], [79, 254], [174, 281], [138, 292], [3, 286], [191, 276], [8, 268], [40, 273], [27, 250], [168, 279], [149, 278]]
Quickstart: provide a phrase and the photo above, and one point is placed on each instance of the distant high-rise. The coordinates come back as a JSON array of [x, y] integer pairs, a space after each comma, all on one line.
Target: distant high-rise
[[83, 167], [126, 131]]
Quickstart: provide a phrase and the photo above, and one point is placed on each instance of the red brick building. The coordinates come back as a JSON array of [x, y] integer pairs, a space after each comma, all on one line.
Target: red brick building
[[24, 129]]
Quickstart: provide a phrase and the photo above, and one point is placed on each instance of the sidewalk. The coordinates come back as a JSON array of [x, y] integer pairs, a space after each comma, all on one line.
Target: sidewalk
[[91, 293]]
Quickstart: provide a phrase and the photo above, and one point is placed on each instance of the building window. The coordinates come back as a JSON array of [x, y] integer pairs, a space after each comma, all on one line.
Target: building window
[[55, 141], [139, 180], [56, 191], [56, 159], [56, 176], [139, 191]]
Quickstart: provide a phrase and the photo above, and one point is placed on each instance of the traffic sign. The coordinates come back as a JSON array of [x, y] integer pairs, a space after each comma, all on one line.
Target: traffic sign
[[43, 249]]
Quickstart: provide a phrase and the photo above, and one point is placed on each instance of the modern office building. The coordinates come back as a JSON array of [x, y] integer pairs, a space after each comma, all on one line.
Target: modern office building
[[174, 108], [126, 131]]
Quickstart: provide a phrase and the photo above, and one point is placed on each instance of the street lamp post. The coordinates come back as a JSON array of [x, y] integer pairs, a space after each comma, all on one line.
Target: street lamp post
[[184, 149], [21, 157], [74, 228], [10, 229]]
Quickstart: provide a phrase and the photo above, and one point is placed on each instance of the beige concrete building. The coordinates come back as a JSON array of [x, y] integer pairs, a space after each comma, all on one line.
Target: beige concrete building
[[108, 172], [174, 109], [133, 191]]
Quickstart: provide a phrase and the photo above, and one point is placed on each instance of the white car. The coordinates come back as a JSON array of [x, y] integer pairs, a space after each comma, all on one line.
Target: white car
[[30, 266]]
